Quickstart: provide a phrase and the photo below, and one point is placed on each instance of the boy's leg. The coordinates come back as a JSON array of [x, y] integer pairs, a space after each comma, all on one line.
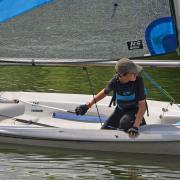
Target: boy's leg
[[127, 120], [113, 121]]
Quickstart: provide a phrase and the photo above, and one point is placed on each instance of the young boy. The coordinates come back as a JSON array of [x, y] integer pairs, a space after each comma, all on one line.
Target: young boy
[[128, 88]]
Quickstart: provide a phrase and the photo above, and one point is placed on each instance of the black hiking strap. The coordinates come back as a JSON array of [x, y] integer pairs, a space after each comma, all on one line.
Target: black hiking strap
[[113, 99], [147, 108], [32, 122]]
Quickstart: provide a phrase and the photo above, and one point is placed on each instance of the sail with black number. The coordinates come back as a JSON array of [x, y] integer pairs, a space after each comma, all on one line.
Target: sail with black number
[[88, 30]]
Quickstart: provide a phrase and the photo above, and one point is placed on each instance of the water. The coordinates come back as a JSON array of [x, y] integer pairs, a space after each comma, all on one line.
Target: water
[[26, 163], [74, 80], [36, 163]]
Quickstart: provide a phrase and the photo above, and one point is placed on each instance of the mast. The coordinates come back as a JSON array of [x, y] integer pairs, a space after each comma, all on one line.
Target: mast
[[175, 11]]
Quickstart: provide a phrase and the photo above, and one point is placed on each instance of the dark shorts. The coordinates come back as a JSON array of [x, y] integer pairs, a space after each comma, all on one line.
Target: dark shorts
[[121, 118]]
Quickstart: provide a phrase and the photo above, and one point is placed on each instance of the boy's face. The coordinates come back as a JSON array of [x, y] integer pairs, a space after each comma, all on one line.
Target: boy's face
[[128, 77]]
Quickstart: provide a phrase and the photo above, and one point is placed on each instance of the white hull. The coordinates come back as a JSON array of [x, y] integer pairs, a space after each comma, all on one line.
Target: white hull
[[48, 103], [23, 124], [153, 139]]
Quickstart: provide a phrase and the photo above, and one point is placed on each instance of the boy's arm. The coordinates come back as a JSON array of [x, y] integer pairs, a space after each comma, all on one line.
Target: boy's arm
[[97, 98]]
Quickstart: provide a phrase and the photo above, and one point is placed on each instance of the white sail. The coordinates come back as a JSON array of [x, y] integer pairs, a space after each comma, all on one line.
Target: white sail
[[83, 29]]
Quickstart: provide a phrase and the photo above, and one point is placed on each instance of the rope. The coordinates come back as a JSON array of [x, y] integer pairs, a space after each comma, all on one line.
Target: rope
[[49, 107], [163, 91], [45, 106], [148, 77], [92, 91]]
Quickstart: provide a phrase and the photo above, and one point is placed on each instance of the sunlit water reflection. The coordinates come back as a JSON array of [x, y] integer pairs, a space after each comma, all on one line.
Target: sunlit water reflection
[[28, 163]]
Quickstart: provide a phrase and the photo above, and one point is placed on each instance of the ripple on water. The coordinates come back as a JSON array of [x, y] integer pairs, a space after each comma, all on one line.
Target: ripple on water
[[87, 165]]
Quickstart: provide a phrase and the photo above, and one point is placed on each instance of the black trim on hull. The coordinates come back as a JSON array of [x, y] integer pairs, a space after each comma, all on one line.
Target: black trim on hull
[[32, 122]]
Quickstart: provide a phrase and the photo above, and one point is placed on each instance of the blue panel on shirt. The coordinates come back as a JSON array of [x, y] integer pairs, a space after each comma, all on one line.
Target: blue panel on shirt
[[125, 98]]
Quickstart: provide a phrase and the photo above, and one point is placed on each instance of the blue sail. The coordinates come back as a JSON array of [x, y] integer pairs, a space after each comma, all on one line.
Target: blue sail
[[12, 8], [161, 36]]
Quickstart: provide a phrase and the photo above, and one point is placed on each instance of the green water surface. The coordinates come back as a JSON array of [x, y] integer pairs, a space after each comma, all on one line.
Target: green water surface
[[74, 80]]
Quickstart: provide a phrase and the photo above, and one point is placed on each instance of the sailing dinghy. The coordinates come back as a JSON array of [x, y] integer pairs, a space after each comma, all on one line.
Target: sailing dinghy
[[78, 30], [47, 120]]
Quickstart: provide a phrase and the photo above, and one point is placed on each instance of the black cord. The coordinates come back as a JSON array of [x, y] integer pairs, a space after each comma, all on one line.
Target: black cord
[[91, 88], [114, 10]]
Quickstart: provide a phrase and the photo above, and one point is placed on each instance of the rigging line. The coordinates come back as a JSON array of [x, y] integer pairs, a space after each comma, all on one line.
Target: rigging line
[[148, 77], [40, 105], [49, 107], [91, 88]]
